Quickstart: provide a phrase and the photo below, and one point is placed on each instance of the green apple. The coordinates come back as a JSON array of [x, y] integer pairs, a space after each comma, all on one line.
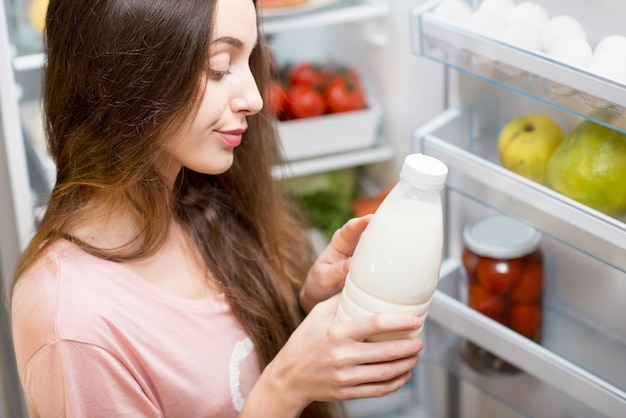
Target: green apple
[[526, 144], [590, 167]]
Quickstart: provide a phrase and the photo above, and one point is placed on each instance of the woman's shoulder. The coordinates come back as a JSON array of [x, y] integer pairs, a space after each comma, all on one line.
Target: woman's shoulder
[[60, 266], [71, 294], [62, 296]]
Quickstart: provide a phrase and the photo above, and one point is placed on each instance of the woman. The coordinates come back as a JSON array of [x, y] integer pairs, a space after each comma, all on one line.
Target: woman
[[166, 275]]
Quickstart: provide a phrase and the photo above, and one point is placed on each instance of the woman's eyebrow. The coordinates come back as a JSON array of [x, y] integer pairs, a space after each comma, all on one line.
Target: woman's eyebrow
[[232, 41], [229, 40]]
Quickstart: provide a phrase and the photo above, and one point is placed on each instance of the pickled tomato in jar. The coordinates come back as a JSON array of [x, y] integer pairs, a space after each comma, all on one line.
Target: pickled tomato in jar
[[503, 268]]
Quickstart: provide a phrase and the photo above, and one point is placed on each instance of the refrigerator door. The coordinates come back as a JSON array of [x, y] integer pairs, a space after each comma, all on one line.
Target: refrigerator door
[[576, 369]]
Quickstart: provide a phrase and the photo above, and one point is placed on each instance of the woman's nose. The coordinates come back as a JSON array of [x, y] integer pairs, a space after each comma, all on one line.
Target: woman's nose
[[249, 100]]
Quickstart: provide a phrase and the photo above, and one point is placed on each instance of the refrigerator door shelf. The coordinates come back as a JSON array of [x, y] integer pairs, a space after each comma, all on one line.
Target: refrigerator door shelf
[[532, 73], [574, 358], [468, 147], [513, 396]]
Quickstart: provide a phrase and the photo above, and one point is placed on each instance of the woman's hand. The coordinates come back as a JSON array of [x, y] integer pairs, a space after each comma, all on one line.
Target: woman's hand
[[328, 274], [324, 361]]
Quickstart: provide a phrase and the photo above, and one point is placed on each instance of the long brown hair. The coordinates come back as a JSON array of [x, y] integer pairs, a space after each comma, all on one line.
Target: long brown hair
[[121, 75]]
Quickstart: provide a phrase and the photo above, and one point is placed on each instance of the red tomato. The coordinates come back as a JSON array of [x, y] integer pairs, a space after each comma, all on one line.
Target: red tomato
[[348, 74], [498, 276], [526, 319], [303, 101], [489, 304], [470, 261], [342, 95], [277, 99], [529, 286], [307, 73]]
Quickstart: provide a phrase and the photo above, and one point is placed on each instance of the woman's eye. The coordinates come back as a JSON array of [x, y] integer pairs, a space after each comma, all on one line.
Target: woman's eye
[[217, 75]]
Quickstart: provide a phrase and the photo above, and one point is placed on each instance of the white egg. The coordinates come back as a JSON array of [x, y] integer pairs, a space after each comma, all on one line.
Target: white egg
[[486, 23], [612, 44], [559, 28], [523, 35], [572, 51], [611, 66], [502, 8], [530, 12], [454, 11]]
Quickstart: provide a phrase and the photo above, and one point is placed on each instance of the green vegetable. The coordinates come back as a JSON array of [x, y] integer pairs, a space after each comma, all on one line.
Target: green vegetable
[[326, 210]]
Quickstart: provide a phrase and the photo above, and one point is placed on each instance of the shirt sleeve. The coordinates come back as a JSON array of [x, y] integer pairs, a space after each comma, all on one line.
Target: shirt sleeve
[[72, 379]]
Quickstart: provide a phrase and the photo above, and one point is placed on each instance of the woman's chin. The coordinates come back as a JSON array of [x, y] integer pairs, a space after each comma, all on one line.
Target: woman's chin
[[216, 167]]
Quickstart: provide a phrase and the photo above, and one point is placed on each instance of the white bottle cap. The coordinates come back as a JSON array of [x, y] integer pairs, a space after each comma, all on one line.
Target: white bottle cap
[[424, 172], [501, 237]]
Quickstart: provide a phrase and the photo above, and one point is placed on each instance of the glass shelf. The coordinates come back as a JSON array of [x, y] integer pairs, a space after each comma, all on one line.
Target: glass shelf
[[574, 357], [531, 73], [376, 154], [464, 141]]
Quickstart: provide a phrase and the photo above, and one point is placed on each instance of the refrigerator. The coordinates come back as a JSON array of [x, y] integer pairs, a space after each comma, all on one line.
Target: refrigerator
[[445, 91]]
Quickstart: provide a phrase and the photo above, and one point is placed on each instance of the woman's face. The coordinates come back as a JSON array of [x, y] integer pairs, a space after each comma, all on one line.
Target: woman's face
[[205, 142]]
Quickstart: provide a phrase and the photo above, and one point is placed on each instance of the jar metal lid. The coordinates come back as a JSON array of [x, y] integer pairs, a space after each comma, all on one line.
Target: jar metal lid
[[501, 237]]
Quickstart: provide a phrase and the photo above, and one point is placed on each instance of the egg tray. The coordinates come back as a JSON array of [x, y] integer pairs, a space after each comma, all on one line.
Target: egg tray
[[531, 73]]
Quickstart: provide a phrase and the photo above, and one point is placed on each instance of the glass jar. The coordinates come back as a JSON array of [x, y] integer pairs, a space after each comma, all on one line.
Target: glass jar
[[503, 279]]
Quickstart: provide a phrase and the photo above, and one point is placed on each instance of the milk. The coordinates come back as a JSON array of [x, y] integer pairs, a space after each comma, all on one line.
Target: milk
[[395, 266]]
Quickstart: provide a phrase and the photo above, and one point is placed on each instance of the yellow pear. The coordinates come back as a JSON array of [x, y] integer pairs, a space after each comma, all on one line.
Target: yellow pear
[[526, 144], [590, 166]]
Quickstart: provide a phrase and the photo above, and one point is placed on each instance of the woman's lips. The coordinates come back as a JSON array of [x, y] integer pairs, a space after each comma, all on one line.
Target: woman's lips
[[232, 138]]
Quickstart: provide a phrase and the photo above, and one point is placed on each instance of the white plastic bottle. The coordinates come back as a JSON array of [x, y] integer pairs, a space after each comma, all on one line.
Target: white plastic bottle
[[395, 266]]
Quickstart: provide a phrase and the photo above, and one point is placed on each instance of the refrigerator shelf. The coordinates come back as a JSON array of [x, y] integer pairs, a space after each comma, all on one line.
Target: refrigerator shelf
[[344, 11], [457, 138], [378, 153], [534, 74], [28, 57], [574, 357]]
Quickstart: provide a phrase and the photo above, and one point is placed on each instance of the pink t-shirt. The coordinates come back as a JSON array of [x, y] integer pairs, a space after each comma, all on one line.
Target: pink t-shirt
[[92, 339]]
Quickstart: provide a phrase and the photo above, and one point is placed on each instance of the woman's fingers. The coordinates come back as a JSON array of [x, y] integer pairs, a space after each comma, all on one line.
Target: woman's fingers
[[344, 240], [364, 328], [383, 372], [340, 364], [375, 390]]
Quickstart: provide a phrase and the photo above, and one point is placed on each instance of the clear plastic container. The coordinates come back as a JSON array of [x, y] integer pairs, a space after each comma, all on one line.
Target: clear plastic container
[[503, 272]]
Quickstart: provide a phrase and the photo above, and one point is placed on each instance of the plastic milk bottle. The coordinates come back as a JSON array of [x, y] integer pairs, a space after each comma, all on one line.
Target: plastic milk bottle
[[396, 263]]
